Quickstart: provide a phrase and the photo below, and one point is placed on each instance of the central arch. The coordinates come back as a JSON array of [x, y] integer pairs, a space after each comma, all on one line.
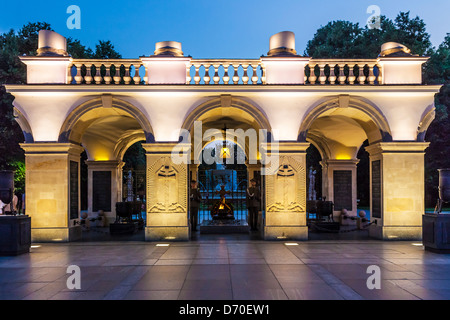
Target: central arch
[[224, 114]]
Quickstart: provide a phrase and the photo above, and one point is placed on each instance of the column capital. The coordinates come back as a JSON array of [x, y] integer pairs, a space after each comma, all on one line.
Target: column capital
[[285, 147], [165, 147], [51, 148], [397, 147], [107, 164]]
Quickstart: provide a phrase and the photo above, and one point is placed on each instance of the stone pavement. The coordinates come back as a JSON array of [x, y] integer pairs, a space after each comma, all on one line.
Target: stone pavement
[[227, 270]]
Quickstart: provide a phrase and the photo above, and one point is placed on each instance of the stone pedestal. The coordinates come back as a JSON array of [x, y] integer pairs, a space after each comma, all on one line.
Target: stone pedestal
[[397, 190], [167, 194], [436, 232], [285, 187], [104, 188], [15, 235], [52, 190]]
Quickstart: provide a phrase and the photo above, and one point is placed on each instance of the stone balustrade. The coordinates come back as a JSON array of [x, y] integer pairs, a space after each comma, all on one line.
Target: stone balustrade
[[228, 71], [225, 72], [97, 71], [343, 71]]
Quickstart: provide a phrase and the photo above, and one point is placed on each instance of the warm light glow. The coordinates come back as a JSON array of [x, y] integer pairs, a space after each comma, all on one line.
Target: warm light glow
[[35, 246], [170, 238], [291, 244], [417, 244], [343, 157], [163, 245], [225, 153]]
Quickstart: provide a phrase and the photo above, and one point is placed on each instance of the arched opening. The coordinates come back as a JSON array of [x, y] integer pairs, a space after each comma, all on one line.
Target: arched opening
[[339, 130], [112, 167], [230, 128]]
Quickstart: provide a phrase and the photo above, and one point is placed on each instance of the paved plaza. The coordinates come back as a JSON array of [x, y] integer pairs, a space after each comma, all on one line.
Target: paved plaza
[[227, 269]]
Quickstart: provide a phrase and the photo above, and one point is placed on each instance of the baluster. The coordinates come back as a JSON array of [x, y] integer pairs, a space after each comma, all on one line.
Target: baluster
[[236, 74], [127, 78], [361, 76], [371, 77], [207, 78], [380, 75], [137, 77], [117, 78], [69, 74], [98, 76], [216, 77], [322, 76], [226, 77], [197, 77], [78, 77], [342, 76], [351, 74], [255, 74], [245, 77], [146, 75], [332, 78], [107, 76], [312, 74], [188, 74], [88, 76]]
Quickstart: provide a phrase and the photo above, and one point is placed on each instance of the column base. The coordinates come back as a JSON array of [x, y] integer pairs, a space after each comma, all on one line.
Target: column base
[[396, 233], [167, 233], [56, 234], [281, 233]]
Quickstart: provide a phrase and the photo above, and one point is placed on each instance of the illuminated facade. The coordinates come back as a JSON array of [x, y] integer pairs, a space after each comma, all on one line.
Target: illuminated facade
[[104, 106]]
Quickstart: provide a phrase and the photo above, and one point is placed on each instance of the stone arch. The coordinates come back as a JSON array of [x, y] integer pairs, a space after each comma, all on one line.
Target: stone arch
[[379, 130], [425, 122], [24, 125], [72, 119], [226, 101]]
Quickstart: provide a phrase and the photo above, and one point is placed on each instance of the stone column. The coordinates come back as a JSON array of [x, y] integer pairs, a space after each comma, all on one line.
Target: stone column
[[339, 184], [167, 193], [52, 190], [193, 169], [251, 168], [397, 189], [285, 188], [104, 187]]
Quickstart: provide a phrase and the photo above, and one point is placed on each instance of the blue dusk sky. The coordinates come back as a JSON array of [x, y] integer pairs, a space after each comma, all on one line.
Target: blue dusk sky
[[211, 28]]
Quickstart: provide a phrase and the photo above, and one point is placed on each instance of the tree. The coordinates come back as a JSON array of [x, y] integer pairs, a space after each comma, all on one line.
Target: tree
[[344, 39], [105, 50]]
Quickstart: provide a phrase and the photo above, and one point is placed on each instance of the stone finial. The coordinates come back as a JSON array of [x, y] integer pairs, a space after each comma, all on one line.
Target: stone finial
[[394, 49], [51, 44], [168, 48], [282, 44]]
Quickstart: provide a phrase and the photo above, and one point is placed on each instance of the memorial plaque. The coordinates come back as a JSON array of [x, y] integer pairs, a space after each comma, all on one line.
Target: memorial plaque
[[342, 188], [376, 189], [101, 191], [74, 190]]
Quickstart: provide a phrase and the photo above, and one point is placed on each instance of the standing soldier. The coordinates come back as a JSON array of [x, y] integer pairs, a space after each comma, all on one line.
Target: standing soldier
[[253, 199], [195, 198]]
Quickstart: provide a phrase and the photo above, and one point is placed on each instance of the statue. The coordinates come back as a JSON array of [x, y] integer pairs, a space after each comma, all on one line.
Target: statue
[[312, 184], [130, 195], [222, 209]]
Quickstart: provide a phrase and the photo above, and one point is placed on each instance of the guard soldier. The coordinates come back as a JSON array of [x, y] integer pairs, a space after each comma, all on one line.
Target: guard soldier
[[195, 198], [253, 203]]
